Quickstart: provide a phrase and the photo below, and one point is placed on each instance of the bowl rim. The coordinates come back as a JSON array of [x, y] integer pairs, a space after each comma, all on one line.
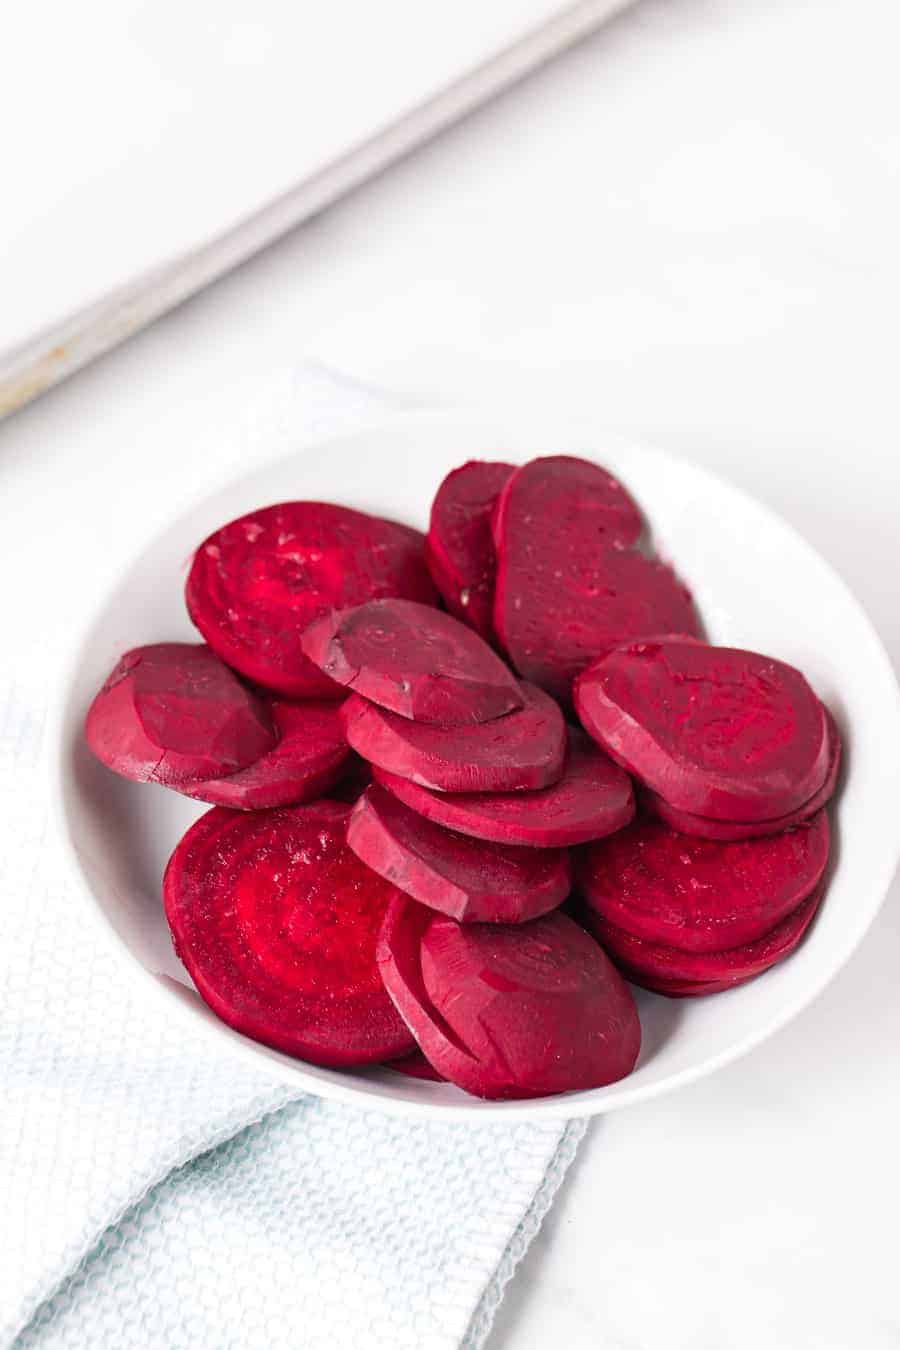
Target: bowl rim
[[369, 1094]]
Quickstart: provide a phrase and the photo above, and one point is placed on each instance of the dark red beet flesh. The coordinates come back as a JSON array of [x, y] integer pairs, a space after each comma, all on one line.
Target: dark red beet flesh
[[309, 758], [524, 749], [715, 731], [568, 586], [697, 894], [259, 581], [725, 830], [591, 799], [459, 548], [469, 879], [415, 660], [276, 920], [416, 1066], [172, 713], [683, 988], [658, 962], [509, 1012]]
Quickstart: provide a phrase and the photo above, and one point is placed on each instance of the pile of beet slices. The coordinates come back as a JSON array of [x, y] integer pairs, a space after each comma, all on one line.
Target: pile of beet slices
[[415, 853]]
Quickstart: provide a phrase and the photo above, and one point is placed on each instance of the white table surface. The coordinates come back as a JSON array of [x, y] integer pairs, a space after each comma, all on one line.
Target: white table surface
[[693, 221]]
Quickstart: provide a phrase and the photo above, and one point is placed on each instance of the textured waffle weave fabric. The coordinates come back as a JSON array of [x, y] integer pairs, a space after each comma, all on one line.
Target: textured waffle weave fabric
[[157, 1193]]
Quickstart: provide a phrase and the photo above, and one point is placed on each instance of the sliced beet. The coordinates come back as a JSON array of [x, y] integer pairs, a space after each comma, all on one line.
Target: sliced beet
[[459, 548], [715, 731], [683, 988], [276, 920], [308, 760], [469, 879], [524, 749], [172, 713], [591, 799], [415, 660], [259, 581], [659, 962], [509, 1012], [416, 1066], [697, 894], [705, 828], [568, 586]]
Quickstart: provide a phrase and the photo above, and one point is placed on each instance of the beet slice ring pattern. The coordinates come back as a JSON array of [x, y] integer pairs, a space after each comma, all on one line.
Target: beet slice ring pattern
[[172, 713], [469, 879], [696, 894], [276, 920], [524, 749], [509, 1012], [459, 547], [259, 581], [309, 758], [713, 730], [414, 660], [657, 962], [591, 799]]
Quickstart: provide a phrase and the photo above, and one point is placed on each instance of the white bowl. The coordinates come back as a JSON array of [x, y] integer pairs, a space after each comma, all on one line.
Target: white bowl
[[758, 585]]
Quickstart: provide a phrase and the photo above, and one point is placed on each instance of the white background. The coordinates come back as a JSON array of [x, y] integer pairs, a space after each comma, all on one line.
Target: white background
[[692, 221]]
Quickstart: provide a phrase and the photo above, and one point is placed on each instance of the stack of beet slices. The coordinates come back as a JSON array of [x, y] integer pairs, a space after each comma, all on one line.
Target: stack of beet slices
[[413, 914]]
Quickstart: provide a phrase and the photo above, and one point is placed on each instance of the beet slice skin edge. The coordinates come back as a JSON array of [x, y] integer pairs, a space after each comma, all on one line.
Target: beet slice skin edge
[[259, 581], [459, 547], [276, 920], [172, 713], [469, 879], [415, 660]]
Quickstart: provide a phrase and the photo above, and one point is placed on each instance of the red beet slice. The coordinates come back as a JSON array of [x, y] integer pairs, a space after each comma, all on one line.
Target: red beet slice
[[469, 879], [524, 749], [416, 1066], [459, 548], [509, 1012], [683, 988], [308, 760], [259, 581], [172, 713], [415, 660], [706, 828], [714, 730], [276, 920], [659, 962], [697, 894], [568, 588], [591, 799]]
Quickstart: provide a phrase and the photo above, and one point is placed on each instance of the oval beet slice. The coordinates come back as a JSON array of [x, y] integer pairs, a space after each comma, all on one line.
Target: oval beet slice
[[656, 961], [309, 758], [697, 894], [172, 713], [714, 730], [683, 988], [276, 920], [591, 799], [727, 830], [568, 588], [469, 879], [415, 660], [509, 1012], [459, 548], [259, 581], [524, 749], [416, 1066]]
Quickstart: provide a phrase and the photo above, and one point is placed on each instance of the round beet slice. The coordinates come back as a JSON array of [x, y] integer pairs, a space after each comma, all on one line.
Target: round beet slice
[[469, 879], [509, 1012], [308, 760], [259, 581], [172, 713], [591, 799], [659, 962], [683, 988], [459, 547], [524, 749], [714, 730], [697, 894], [705, 828], [276, 920], [416, 1066], [415, 660]]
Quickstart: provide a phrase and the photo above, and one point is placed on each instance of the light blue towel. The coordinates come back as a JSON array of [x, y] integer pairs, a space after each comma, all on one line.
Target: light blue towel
[[157, 1193]]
